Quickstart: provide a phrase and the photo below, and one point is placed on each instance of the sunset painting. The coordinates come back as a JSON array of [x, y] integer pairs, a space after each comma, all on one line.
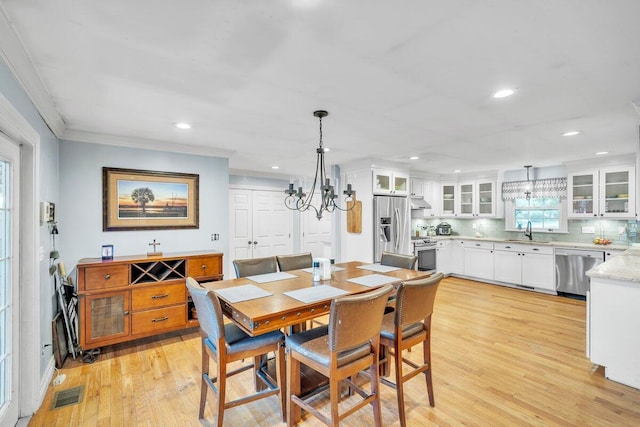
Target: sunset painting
[[150, 199]]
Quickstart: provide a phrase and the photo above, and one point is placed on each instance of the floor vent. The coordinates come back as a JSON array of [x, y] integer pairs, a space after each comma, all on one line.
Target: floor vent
[[67, 397]]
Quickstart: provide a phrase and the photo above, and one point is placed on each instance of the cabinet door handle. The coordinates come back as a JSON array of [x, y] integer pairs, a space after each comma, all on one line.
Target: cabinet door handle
[[162, 319], [536, 249], [125, 313], [507, 247], [107, 276], [159, 296]]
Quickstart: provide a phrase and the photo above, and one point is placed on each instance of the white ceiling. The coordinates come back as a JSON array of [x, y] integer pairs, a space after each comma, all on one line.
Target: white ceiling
[[398, 78]]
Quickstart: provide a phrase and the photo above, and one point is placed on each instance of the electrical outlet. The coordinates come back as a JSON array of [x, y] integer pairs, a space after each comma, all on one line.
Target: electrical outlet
[[622, 230], [59, 379], [588, 230]]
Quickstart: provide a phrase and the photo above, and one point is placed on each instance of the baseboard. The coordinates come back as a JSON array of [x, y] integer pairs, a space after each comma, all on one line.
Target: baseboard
[[46, 380]]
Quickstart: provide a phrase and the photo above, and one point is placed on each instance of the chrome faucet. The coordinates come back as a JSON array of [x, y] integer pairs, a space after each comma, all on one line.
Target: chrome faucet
[[527, 232]]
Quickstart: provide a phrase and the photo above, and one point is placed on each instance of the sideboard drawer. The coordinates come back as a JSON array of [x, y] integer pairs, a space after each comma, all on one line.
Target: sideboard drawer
[[205, 267], [159, 319], [158, 296], [107, 276]]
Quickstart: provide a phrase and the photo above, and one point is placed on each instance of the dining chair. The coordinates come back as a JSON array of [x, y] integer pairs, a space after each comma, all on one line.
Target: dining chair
[[407, 326], [399, 260], [254, 266], [348, 345], [227, 343], [294, 262]]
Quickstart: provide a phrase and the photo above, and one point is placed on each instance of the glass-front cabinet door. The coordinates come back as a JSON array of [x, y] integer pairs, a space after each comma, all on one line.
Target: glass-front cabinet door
[[617, 191], [582, 194], [107, 316], [448, 199], [486, 198], [381, 181], [466, 199]]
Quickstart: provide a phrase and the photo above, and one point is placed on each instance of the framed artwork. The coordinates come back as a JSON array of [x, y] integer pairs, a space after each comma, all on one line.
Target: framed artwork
[[107, 252], [60, 349], [148, 200]]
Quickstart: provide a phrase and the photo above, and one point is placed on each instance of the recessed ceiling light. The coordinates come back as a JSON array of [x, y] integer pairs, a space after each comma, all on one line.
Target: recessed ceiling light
[[572, 133], [504, 93], [275, 167], [183, 125], [457, 171], [600, 153], [414, 158]]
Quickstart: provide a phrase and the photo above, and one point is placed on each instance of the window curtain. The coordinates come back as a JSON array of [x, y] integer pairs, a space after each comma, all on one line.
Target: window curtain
[[553, 187]]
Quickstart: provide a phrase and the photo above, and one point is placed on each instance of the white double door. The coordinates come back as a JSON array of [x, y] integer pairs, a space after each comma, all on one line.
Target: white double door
[[259, 225]]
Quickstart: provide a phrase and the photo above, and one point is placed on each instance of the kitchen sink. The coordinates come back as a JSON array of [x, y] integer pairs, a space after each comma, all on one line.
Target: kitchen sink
[[539, 242]]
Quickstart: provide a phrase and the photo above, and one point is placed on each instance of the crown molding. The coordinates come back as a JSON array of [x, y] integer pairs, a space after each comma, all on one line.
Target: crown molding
[[17, 59], [147, 144]]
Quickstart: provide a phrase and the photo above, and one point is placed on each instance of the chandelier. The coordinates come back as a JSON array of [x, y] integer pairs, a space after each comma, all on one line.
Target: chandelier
[[297, 200]]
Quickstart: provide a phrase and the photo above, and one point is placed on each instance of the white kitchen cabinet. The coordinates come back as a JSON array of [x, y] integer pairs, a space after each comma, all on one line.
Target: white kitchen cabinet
[[443, 256], [429, 196], [478, 260], [610, 253], [612, 328], [606, 192], [524, 265], [457, 257], [386, 181], [417, 187], [476, 199], [447, 198]]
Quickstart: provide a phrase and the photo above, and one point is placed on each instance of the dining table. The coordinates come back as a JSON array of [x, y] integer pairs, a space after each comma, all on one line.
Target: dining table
[[281, 300], [286, 300]]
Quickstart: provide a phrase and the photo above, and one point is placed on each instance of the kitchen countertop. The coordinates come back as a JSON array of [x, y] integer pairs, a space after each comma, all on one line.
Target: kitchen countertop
[[571, 245], [625, 266]]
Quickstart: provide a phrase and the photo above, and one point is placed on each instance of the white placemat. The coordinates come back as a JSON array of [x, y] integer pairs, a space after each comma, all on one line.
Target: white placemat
[[242, 293], [310, 269], [373, 280], [315, 293], [379, 268], [271, 277]]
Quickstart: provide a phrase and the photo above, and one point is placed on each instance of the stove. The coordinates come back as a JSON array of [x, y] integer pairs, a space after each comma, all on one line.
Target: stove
[[425, 250]]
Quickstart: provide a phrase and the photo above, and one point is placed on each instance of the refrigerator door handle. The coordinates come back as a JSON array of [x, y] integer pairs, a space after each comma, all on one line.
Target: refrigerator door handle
[[397, 236]]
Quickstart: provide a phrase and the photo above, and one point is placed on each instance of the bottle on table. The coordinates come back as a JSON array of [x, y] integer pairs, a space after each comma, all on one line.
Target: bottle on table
[[316, 272]]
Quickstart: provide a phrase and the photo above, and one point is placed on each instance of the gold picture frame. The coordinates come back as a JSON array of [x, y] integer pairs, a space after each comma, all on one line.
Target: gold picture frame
[[148, 200]]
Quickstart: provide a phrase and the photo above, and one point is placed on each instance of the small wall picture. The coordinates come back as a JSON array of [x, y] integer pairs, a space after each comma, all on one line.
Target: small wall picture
[[107, 252]]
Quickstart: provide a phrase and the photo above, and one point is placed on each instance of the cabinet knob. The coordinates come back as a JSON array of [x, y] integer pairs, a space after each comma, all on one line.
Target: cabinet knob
[[249, 242], [107, 276], [203, 267], [255, 243], [125, 313]]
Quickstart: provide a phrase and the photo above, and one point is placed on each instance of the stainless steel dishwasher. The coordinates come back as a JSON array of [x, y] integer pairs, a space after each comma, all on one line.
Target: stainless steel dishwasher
[[571, 266]]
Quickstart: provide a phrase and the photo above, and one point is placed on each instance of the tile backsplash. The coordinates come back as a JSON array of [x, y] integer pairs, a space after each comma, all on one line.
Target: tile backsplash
[[621, 232]]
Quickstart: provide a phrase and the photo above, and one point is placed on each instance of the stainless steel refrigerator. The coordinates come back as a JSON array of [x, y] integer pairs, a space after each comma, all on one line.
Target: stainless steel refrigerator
[[391, 226]]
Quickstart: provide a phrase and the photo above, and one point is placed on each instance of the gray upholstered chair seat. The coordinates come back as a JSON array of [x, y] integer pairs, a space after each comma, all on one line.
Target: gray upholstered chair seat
[[238, 340], [388, 330], [314, 344]]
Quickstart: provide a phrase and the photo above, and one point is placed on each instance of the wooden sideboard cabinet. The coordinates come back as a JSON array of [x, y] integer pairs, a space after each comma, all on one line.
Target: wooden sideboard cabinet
[[132, 297]]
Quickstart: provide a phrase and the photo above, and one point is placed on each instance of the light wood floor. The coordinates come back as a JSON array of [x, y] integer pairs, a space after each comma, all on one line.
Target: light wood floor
[[500, 357]]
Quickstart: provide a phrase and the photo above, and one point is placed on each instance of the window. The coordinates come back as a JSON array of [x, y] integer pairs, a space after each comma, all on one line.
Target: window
[[547, 214]]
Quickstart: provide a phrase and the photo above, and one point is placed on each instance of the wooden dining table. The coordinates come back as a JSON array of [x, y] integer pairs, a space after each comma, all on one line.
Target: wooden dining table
[[277, 310]]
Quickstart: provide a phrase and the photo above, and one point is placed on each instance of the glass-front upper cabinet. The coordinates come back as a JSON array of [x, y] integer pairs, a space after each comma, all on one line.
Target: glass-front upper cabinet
[[390, 182], [582, 194], [617, 191], [448, 199], [607, 192], [477, 198]]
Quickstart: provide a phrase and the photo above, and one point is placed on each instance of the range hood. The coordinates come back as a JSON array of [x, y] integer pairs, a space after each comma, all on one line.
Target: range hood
[[419, 203]]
